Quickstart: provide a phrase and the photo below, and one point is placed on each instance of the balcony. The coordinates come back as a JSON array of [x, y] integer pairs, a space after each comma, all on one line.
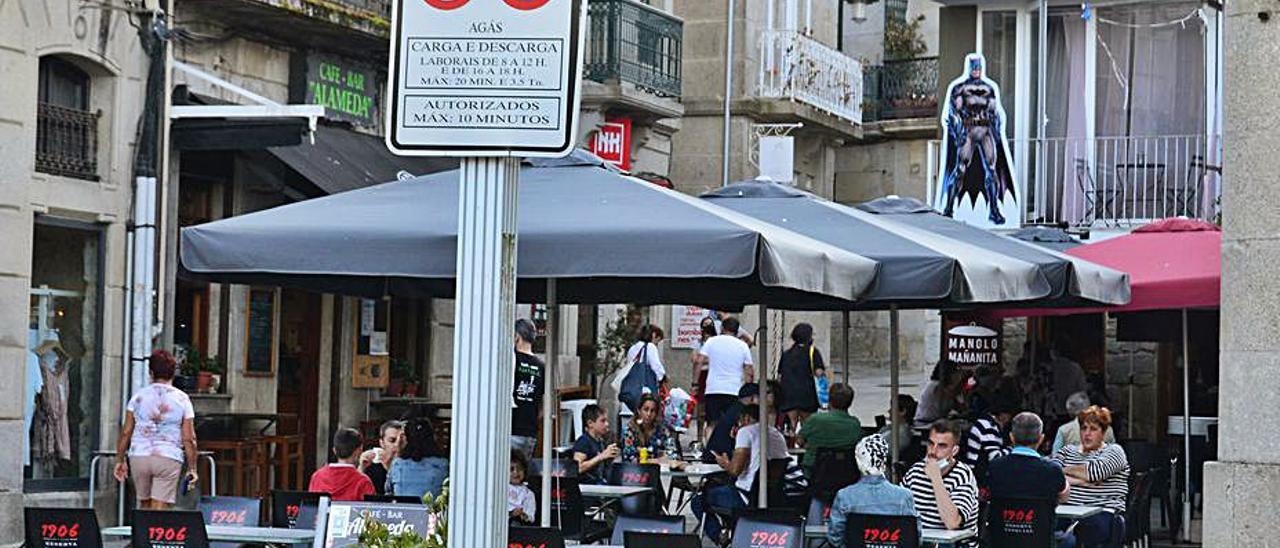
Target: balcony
[[900, 90], [636, 44], [1116, 182], [796, 67], [66, 142]]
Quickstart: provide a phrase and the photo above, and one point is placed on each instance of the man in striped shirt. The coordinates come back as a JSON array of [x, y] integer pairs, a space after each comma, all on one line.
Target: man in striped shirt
[[985, 441], [943, 488]]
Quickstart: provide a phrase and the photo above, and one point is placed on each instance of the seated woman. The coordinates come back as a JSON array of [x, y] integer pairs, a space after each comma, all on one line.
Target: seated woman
[[421, 467], [647, 430], [1099, 476], [873, 494]]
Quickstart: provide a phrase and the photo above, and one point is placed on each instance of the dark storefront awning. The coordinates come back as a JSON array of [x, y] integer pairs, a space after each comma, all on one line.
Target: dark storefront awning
[[342, 159]]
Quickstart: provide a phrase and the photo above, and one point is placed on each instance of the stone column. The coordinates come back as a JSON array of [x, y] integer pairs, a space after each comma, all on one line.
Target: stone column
[[1243, 487]]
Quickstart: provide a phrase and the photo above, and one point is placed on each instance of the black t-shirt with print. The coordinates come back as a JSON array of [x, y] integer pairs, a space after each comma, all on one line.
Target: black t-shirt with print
[[527, 392]]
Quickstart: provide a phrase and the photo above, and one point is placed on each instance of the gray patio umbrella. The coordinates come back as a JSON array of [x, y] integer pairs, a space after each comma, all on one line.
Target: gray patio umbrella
[[604, 237], [927, 261]]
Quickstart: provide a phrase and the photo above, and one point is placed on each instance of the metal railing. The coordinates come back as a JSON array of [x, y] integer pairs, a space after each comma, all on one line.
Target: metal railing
[[796, 67], [901, 89], [631, 42], [1115, 181], [66, 142]]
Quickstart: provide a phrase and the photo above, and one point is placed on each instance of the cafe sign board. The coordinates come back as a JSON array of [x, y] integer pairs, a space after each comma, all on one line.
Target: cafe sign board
[[971, 341], [348, 89], [485, 77]]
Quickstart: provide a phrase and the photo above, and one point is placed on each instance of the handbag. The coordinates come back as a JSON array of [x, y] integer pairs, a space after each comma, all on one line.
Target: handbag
[[639, 380], [821, 384]]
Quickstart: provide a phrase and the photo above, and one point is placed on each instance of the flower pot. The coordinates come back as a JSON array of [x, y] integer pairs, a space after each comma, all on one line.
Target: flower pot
[[395, 388], [410, 389], [204, 382]]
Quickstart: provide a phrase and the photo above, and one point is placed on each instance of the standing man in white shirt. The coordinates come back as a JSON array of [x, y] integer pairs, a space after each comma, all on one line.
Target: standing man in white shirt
[[729, 367]]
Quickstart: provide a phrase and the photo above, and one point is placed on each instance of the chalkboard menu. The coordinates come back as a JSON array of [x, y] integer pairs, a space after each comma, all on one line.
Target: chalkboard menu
[[347, 520], [62, 528], [260, 333]]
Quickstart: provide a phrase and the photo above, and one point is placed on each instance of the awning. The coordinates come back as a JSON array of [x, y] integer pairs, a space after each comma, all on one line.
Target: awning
[[342, 159]]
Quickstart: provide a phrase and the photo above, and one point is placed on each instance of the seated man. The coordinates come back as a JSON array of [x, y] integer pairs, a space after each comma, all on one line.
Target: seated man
[[744, 466], [342, 480], [944, 489], [835, 428], [1023, 473], [590, 451], [873, 494], [721, 440]]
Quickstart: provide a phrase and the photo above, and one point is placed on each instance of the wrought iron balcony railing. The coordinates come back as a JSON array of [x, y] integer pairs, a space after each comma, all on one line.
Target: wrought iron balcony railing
[[1114, 181], [66, 142], [630, 42], [901, 89], [796, 67]]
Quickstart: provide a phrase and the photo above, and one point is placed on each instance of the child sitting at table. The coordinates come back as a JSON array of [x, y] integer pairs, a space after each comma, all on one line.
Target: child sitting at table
[[342, 480], [520, 502]]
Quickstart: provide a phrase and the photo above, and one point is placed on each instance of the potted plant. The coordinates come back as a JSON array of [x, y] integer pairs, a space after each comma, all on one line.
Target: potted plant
[[209, 379], [376, 535], [410, 384]]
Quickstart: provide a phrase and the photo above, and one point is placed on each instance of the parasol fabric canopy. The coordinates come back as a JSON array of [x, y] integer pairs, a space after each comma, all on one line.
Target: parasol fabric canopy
[[1172, 264], [927, 260], [603, 236]]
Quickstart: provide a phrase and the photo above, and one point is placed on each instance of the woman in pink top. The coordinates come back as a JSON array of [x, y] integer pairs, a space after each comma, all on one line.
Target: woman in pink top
[[159, 431]]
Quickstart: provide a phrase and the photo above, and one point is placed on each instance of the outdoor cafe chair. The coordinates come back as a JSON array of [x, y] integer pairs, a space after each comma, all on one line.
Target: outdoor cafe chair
[[569, 511], [638, 539], [231, 511], [768, 527], [295, 509], [1020, 523], [168, 528], [633, 474], [644, 524], [728, 516], [864, 530], [833, 469], [534, 537], [54, 527], [819, 512]]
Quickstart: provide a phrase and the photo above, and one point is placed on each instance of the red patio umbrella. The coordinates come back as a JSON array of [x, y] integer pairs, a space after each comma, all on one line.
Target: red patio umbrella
[[1173, 264]]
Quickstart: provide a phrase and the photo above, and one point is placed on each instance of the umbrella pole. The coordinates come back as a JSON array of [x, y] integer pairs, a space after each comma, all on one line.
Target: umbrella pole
[[844, 345], [553, 359], [1186, 430], [893, 385], [762, 481]]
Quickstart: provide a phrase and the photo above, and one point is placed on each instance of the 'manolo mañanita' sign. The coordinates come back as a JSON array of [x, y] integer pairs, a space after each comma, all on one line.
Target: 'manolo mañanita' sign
[[972, 341], [485, 77], [347, 89]]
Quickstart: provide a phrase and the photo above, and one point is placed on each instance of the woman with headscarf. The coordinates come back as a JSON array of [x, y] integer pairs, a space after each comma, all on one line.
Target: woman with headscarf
[[873, 494]]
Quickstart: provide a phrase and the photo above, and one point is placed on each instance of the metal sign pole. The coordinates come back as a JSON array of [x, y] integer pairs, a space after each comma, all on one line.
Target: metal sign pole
[[484, 362]]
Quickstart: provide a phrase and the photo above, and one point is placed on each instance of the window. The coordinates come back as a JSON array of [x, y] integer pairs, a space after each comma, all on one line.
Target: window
[[66, 130], [999, 46], [62, 402]]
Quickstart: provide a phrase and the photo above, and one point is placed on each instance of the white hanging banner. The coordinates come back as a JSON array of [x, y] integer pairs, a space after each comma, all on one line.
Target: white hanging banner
[[777, 158]]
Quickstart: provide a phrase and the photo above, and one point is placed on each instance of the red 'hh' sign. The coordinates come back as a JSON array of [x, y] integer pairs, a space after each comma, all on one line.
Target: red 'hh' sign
[[612, 142]]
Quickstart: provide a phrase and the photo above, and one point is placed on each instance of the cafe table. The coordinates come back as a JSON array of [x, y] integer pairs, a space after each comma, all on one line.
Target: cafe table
[[253, 535], [611, 491], [1067, 511]]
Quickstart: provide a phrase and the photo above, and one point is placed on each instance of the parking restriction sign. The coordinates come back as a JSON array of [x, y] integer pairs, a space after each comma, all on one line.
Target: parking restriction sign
[[485, 77]]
